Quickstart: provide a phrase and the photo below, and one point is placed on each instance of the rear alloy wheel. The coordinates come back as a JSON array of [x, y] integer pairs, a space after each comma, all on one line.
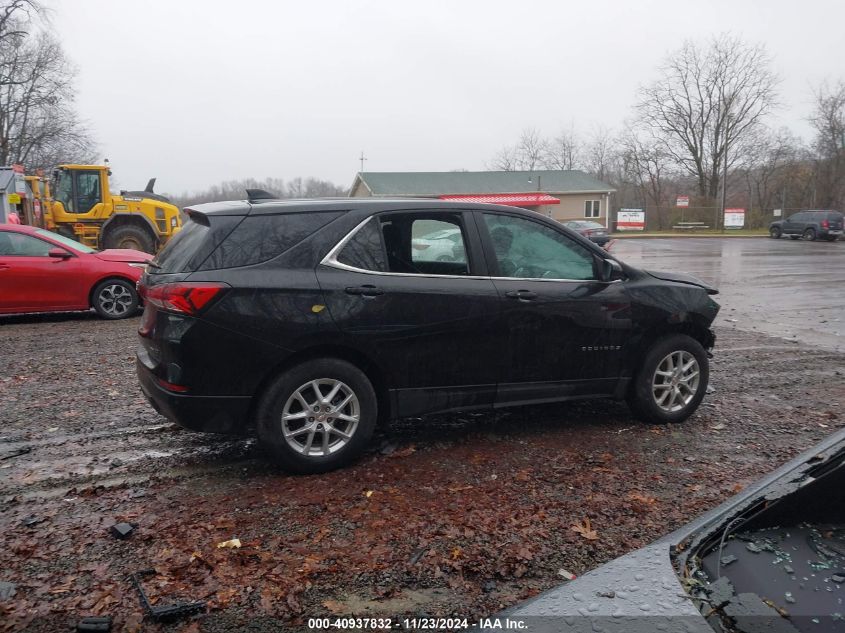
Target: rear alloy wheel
[[115, 299], [671, 382], [810, 235], [317, 416], [775, 232]]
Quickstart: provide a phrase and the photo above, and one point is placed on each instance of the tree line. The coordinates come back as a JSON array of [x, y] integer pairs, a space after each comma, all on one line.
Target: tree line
[[236, 190], [706, 114]]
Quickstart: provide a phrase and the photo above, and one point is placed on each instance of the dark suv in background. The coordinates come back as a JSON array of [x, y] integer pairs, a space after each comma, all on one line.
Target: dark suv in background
[[307, 322], [811, 225]]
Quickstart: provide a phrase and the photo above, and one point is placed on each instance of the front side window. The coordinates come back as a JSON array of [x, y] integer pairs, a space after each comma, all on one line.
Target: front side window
[[88, 190], [592, 208], [530, 250], [15, 244], [64, 191]]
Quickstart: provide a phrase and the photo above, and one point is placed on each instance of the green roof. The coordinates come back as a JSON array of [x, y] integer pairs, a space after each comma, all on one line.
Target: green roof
[[437, 183]]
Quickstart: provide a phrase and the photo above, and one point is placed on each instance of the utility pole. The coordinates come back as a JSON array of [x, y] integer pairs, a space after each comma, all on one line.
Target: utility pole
[[724, 184], [362, 158]]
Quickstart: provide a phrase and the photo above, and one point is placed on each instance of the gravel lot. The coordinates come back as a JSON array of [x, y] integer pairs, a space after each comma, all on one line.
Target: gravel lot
[[451, 516]]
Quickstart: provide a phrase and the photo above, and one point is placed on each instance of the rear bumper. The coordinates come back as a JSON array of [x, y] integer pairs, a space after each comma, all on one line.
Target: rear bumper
[[209, 414]]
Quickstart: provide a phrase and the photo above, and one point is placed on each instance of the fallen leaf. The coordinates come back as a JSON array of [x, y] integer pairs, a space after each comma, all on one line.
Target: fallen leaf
[[230, 544], [585, 529]]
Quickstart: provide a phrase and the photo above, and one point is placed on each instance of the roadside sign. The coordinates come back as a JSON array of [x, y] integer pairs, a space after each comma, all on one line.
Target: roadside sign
[[734, 218], [682, 201], [630, 220], [14, 198], [778, 212]]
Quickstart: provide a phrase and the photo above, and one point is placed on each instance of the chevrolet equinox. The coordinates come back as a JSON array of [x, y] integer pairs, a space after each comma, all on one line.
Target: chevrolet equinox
[[308, 323]]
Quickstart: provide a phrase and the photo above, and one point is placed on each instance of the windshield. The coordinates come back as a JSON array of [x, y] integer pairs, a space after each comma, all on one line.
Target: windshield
[[66, 241]]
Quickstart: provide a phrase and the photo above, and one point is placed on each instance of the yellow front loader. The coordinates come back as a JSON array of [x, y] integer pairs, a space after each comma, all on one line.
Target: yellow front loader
[[83, 208]]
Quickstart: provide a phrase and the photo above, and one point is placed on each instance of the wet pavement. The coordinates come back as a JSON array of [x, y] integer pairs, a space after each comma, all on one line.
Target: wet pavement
[[786, 288]]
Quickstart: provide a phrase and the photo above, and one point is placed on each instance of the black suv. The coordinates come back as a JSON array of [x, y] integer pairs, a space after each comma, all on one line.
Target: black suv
[[811, 225], [309, 322]]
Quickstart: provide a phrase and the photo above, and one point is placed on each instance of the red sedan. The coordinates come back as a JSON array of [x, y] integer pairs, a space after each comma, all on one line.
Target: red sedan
[[41, 271]]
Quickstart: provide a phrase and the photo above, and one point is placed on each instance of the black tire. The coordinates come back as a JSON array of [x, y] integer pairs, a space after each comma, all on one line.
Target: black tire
[[775, 232], [272, 406], [832, 238], [641, 396], [130, 236], [809, 235], [115, 299]]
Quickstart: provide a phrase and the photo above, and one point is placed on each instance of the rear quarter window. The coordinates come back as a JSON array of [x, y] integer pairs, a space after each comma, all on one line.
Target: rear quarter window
[[187, 250], [260, 238]]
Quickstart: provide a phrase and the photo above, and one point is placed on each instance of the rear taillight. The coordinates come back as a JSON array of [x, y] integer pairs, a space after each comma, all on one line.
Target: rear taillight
[[825, 224], [183, 298]]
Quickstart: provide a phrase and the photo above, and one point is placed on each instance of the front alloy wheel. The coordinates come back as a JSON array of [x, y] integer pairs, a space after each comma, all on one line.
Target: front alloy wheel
[[671, 381], [775, 232], [320, 417], [675, 381]]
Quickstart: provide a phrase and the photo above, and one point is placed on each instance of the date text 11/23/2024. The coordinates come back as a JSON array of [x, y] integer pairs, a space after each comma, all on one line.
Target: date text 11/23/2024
[[415, 624]]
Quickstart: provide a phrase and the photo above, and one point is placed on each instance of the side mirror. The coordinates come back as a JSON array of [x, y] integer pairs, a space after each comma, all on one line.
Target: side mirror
[[609, 270], [59, 253]]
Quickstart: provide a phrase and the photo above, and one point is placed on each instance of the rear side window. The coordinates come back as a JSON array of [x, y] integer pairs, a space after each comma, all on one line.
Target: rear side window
[[189, 247], [365, 250], [262, 237]]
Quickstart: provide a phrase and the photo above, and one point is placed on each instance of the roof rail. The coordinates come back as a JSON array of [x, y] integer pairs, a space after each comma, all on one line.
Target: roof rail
[[254, 195]]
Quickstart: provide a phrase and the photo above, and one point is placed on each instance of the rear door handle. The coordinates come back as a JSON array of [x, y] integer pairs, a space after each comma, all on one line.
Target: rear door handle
[[4, 267], [521, 295], [366, 291]]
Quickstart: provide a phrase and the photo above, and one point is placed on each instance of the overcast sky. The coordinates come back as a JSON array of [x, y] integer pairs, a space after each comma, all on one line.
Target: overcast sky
[[199, 91]]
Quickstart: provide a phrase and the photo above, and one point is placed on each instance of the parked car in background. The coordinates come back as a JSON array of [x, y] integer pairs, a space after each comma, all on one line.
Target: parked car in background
[[810, 225], [307, 322], [593, 231], [41, 271], [440, 246], [772, 558]]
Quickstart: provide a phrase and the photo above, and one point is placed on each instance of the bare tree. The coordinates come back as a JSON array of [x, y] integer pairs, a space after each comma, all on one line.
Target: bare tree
[[528, 154], [601, 154], [648, 166], [828, 120], [706, 100], [564, 151], [38, 124], [769, 170]]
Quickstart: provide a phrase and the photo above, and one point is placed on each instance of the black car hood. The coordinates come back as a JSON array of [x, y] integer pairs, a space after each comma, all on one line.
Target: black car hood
[[683, 279]]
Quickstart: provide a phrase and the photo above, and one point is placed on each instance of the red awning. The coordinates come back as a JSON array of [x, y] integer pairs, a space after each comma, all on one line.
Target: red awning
[[510, 199]]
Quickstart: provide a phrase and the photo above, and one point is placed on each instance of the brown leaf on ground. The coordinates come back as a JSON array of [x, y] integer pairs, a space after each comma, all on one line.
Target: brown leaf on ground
[[585, 529]]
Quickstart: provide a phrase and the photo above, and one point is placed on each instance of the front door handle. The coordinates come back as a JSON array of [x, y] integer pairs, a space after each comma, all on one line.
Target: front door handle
[[366, 291], [4, 267], [521, 295]]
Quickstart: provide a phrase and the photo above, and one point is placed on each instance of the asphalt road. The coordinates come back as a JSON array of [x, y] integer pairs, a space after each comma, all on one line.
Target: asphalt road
[[791, 289]]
